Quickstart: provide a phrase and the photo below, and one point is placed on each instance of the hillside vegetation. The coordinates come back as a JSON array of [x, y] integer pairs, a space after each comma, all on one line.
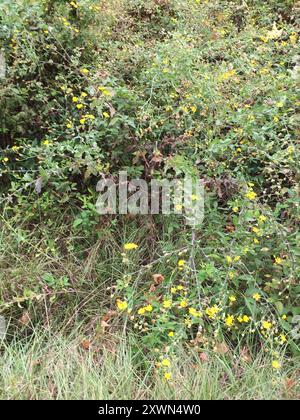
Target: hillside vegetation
[[147, 304]]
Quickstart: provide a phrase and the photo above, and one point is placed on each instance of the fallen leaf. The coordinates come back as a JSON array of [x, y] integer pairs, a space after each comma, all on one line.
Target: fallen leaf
[[245, 355], [204, 357], [25, 318], [158, 278], [221, 348], [290, 384], [85, 344]]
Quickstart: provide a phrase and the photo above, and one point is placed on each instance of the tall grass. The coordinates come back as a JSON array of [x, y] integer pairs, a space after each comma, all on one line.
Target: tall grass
[[48, 366]]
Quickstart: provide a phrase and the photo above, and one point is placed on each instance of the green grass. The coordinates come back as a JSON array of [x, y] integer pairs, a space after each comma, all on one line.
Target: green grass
[[48, 366]]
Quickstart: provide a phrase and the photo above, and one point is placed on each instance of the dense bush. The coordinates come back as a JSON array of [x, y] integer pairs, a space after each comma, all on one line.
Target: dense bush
[[152, 87]]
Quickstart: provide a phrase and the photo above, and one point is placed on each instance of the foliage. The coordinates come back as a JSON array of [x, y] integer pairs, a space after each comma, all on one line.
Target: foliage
[[155, 88]]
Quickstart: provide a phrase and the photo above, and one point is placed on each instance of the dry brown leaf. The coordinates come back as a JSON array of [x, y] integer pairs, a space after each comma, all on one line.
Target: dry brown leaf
[[245, 355], [25, 318], [152, 288], [221, 348], [104, 325], [204, 357], [158, 278], [85, 344], [289, 384]]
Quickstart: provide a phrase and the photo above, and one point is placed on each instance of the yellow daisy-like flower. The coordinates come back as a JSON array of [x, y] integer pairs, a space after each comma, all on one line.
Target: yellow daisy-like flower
[[181, 263], [251, 195], [183, 304], [282, 339], [85, 71], [278, 260], [246, 318], [122, 305], [167, 304], [173, 290], [79, 106], [256, 297], [149, 308], [171, 334], [235, 209], [166, 363], [229, 321], [130, 246], [75, 99], [168, 376], [141, 311], [212, 312], [105, 114], [266, 325], [276, 365], [228, 259], [232, 298]]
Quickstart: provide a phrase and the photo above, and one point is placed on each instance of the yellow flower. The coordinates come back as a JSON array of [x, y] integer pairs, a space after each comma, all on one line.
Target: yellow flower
[[278, 260], [212, 312], [141, 311], [173, 289], [276, 365], [104, 91], [232, 298], [280, 104], [166, 363], [180, 287], [251, 195], [183, 304], [228, 259], [256, 297], [194, 312], [130, 246], [235, 209], [74, 99], [5, 159], [262, 218], [122, 305], [282, 339], [69, 125], [181, 263], [246, 318], [79, 106], [168, 376], [194, 197], [266, 325], [284, 317], [85, 71], [149, 308], [229, 321], [167, 304], [171, 334], [105, 114], [46, 142], [231, 274], [193, 109], [237, 258], [82, 120], [83, 95]]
